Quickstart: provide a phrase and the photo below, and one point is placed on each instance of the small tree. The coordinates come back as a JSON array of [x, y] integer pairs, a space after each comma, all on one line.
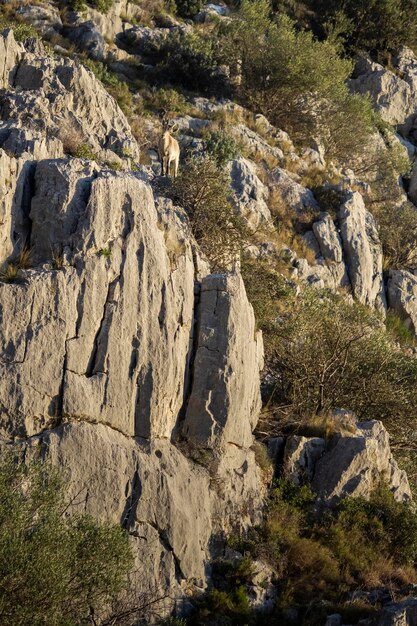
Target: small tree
[[55, 569], [203, 190], [325, 353]]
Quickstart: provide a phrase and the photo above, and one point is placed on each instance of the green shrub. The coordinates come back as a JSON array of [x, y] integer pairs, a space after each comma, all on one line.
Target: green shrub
[[202, 190], [376, 26], [167, 100], [297, 82], [324, 353], [265, 288], [55, 570], [84, 151], [102, 5], [221, 147], [188, 8], [193, 61], [21, 30], [319, 556]]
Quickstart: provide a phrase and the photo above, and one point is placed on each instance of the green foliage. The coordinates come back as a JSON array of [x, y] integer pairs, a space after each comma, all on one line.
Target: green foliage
[[203, 190], [188, 8], [326, 353], [318, 556], [265, 288], [398, 234], [298, 82], [83, 151], [167, 100], [192, 61], [21, 30], [54, 569], [105, 252], [81, 5], [399, 331], [102, 5], [376, 26], [231, 607], [221, 147]]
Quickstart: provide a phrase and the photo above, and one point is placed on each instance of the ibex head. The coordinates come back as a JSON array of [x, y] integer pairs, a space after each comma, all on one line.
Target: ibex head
[[168, 124]]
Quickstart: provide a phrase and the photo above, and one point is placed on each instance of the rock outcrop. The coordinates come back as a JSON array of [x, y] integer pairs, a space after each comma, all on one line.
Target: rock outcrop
[[349, 464], [121, 356], [402, 296], [363, 251]]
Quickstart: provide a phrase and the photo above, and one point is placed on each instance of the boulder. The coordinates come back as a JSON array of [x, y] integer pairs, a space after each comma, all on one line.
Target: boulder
[[256, 144], [249, 193], [225, 401], [296, 197], [362, 251], [43, 17], [355, 464], [331, 249], [399, 613], [88, 38], [391, 95], [58, 97], [402, 296], [115, 479], [300, 458]]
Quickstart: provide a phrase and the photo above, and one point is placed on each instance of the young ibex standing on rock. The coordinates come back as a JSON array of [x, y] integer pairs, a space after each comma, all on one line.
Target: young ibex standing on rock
[[169, 149]]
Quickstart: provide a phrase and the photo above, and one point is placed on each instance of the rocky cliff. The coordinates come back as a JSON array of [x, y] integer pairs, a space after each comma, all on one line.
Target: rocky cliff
[[125, 360], [121, 355]]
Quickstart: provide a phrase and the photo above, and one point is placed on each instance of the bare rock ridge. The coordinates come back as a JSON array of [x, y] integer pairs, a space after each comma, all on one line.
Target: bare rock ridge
[[105, 340]]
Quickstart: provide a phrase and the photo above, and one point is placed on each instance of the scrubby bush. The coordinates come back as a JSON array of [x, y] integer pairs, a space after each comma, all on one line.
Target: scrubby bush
[[221, 147], [55, 570], [297, 82], [193, 61], [325, 352], [188, 8], [202, 190], [376, 26], [320, 556], [81, 5]]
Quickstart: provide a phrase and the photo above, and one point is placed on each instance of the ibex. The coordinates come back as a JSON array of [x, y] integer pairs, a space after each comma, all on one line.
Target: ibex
[[169, 149]]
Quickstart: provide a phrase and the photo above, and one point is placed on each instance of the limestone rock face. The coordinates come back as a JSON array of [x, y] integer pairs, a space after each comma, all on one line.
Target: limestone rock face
[[294, 195], [363, 251], [61, 98], [331, 249], [249, 193], [351, 463], [391, 95], [355, 464], [300, 457], [117, 341], [116, 479], [402, 296], [122, 346], [225, 401]]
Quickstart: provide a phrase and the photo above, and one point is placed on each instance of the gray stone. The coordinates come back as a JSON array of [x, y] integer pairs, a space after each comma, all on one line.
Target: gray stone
[[88, 38], [390, 94], [300, 457], [402, 296], [225, 398], [44, 18], [249, 193], [356, 463], [58, 97], [295, 196], [362, 251]]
